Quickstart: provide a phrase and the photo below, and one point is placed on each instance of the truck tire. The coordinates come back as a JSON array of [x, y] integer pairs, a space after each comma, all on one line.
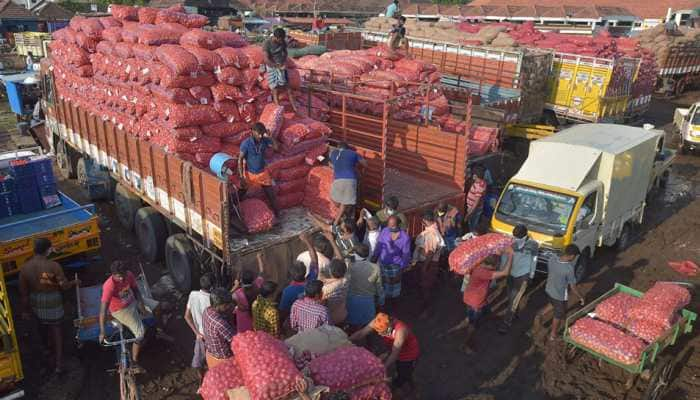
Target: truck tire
[[582, 265], [625, 239], [66, 164], [151, 233], [181, 261], [663, 182], [127, 205]]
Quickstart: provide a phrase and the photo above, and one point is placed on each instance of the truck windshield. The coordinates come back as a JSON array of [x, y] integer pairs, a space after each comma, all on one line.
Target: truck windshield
[[539, 209], [696, 118]]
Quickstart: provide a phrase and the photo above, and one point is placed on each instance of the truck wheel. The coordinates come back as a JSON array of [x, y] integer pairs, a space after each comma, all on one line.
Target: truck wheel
[[581, 269], [151, 233], [663, 182], [625, 239], [66, 166], [181, 261], [127, 205]]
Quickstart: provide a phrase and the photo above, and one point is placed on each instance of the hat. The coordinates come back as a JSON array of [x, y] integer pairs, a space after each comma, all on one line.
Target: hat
[[381, 323]]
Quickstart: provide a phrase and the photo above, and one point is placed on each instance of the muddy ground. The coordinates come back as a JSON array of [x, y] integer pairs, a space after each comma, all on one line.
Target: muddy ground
[[515, 366]]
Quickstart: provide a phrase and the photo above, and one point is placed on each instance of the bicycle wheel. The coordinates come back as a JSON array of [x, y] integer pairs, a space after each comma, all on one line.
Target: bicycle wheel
[[132, 389]]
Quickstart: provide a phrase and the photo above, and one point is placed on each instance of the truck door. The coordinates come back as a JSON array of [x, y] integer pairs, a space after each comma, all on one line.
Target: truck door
[[686, 122], [587, 223]]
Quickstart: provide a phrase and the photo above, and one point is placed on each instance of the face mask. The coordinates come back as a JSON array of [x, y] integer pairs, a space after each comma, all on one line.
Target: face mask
[[394, 229], [441, 213], [390, 211]]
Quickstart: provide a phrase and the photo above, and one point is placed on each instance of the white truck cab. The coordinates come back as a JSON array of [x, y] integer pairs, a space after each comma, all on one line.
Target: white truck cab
[[687, 121]]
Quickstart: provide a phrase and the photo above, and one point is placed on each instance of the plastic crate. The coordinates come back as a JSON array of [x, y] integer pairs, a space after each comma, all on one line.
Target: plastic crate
[[9, 210], [49, 196], [24, 183], [21, 168], [7, 184], [42, 166], [29, 201], [8, 198], [44, 179]]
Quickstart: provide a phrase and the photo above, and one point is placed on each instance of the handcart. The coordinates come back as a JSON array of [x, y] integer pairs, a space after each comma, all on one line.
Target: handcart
[[653, 367], [88, 322]]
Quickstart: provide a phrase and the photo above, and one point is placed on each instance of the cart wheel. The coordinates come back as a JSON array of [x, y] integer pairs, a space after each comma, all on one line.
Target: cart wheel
[[181, 261], [127, 205], [660, 378], [151, 233]]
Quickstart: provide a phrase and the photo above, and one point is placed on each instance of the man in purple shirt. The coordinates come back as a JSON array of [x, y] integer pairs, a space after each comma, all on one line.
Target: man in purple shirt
[[393, 253], [217, 329]]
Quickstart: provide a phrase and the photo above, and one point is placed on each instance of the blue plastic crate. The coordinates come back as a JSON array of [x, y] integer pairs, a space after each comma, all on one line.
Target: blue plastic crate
[[42, 166], [30, 201], [49, 196], [48, 189], [43, 179], [9, 210], [23, 183], [8, 198], [22, 169], [7, 184]]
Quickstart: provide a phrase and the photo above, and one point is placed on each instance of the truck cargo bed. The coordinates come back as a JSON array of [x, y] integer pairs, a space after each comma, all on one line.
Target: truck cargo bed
[[292, 223], [413, 191], [23, 225]]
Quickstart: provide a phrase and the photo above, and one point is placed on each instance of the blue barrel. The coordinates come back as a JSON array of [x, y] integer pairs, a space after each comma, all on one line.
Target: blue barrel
[[217, 163]]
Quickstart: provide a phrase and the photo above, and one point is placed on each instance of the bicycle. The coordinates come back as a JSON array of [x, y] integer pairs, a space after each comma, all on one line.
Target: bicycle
[[127, 381]]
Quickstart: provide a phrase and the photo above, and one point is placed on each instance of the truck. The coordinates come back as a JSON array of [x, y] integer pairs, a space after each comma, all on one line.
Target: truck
[[586, 185], [680, 70], [687, 123]]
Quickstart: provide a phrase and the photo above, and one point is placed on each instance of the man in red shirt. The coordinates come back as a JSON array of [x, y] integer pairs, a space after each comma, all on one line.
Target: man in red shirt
[[120, 294], [475, 197], [476, 294]]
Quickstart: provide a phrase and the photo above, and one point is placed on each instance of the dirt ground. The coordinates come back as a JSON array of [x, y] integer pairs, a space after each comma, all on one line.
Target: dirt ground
[[514, 366]]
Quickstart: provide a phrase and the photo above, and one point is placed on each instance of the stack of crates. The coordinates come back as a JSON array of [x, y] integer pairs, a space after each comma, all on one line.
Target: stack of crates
[[9, 204], [34, 184]]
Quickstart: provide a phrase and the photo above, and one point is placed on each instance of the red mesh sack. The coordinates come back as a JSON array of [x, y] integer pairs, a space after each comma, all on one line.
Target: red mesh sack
[[173, 95], [178, 116], [233, 57], [257, 216], [290, 200], [231, 149], [104, 47], [170, 15], [229, 75], [248, 112], [220, 379], [123, 50], [471, 253], [317, 194], [279, 162], [91, 27], [616, 308], [293, 186], [312, 155], [223, 92], [607, 340], [188, 133], [204, 144], [225, 129], [200, 38], [203, 159], [646, 329], [157, 35], [179, 60], [132, 30], [303, 147], [228, 110], [86, 42], [660, 304], [347, 369], [291, 174], [293, 78], [194, 20], [144, 52], [272, 117], [201, 94], [236, 139], [147, 15], [230, 39], [124, 13], [110, 22], [169, 79], [254, 55], [207, 59], [113, 34], [267, 368]]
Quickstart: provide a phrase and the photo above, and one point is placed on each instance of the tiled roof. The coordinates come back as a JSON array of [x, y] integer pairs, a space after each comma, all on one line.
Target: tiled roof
[[639, 8], [53, 12], [365, 6], [199, 3], [10, 10], [521, 11]]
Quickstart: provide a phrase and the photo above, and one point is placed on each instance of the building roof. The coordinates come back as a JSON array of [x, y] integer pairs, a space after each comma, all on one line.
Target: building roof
[[639, 8], [309, 21], [199, 4], [519, 11], [331, 6], [52, 12], [10, 10]]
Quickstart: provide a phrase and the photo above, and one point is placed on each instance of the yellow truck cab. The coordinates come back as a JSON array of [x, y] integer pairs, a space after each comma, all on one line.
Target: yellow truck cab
[[585, 185], [687, 121]]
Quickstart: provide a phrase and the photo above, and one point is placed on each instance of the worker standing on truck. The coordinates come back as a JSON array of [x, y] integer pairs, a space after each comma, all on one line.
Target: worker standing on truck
[[30, 61], [523, 271], [404, 346], [40, 284], [251, 162], [475, 197], [197, 302], [476, 296], [344, 161], [392, 10], [217, 327], [560, 277], [276, 55], [121, 295], [397, 36]]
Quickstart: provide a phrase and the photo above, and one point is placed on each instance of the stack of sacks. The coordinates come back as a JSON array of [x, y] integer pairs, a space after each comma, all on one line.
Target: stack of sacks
[[220, 379], [353, 370], [657, 310], [607, 340], [616, 309]]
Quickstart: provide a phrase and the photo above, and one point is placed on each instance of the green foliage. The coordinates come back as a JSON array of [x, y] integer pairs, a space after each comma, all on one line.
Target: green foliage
[[75, 6]]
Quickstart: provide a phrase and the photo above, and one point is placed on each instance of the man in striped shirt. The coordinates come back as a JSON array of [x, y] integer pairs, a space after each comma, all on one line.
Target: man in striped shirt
[[475, 197], [308, 313]]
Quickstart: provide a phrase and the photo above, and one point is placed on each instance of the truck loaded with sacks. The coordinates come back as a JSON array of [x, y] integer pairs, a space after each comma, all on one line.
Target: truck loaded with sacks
[[146, 108]]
